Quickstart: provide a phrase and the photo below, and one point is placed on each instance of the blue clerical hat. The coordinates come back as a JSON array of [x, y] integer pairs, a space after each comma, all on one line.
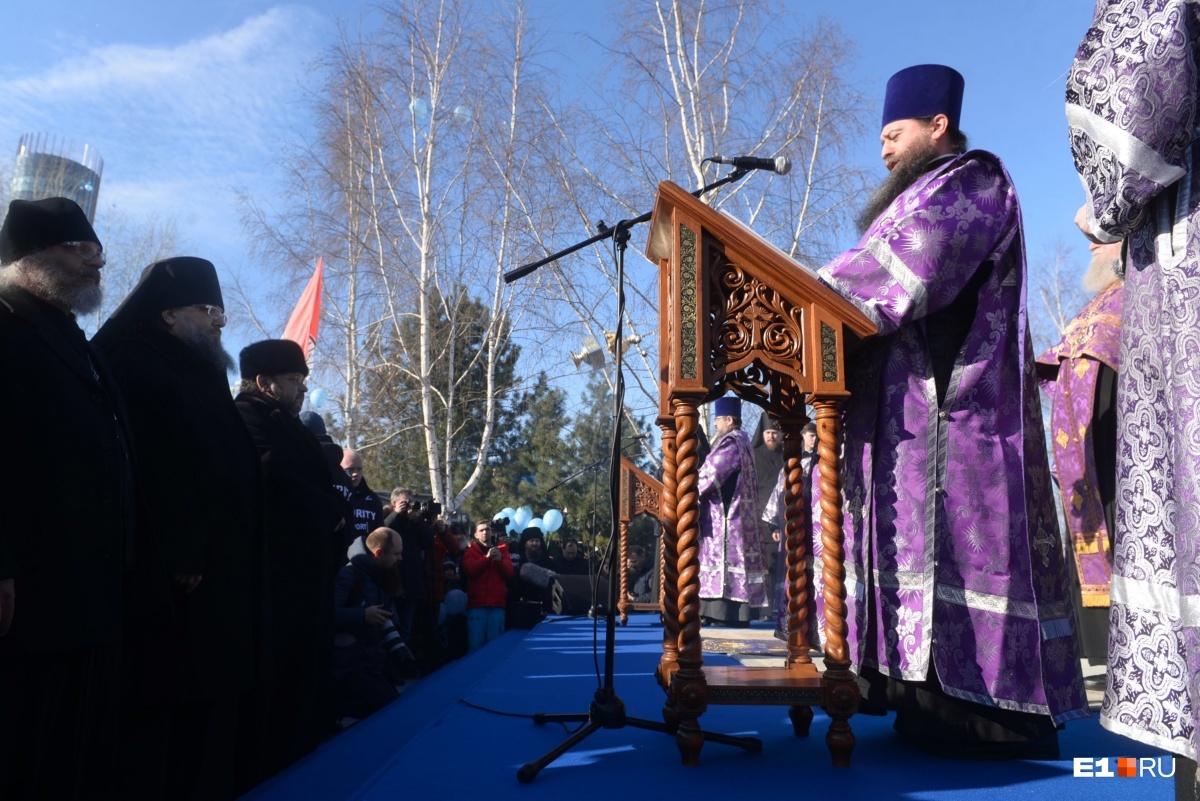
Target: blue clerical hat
[[923, 91], [727, 407]]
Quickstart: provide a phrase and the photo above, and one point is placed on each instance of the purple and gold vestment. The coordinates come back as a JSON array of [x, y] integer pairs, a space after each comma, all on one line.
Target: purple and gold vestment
[[731, 550], [1132, 98], [953, 556], [1069, 373]]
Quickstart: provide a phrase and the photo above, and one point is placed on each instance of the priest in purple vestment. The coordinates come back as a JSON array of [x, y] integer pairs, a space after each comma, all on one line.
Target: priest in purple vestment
[[1079, 375], [732, 573], [959, 612], [1133, 96]]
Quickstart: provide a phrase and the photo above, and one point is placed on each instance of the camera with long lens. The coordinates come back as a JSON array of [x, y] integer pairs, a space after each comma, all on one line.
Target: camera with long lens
[[427, 510], [395, 644], [497, 529]]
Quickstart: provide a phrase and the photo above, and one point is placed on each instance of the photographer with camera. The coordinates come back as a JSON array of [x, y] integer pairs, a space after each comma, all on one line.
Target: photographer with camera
[[367, 648], [488, 569], [417, 536]]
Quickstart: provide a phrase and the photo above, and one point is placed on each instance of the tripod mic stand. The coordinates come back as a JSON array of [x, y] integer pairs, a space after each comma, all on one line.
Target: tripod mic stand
[[607, 710]]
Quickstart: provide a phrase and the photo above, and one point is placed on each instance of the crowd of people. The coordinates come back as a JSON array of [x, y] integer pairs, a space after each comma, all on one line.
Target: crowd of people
[[200, 587]]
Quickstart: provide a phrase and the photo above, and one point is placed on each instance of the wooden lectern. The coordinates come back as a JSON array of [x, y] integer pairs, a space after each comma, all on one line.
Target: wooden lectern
[[640, 494], [737, 315]]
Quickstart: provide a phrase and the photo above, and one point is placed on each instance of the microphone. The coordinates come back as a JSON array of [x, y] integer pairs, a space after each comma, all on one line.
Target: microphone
[[781, 164]]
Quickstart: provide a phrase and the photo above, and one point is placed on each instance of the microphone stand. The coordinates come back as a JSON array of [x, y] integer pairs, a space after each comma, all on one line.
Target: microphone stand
[[607, 710]]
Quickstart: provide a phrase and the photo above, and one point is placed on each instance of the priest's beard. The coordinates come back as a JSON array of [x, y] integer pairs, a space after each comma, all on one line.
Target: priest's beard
[[914, 165], [207, 346], [41, 275], [1103, 271]]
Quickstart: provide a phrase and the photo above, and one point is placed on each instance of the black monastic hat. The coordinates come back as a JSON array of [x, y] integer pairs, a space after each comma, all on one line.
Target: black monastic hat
[[271, 357], [167, 284], [32, 225]]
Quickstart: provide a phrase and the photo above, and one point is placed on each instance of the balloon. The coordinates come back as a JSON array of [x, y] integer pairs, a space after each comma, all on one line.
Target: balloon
[[536, 523], [507, 511], [317, 398], [521, 518], [419, 107], [553, 519]]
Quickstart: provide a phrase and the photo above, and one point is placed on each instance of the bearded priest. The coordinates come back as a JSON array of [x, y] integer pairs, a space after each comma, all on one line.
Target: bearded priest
[[960, 617]]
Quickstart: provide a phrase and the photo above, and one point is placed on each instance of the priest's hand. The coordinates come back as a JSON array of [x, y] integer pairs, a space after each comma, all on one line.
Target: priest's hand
[[8, 596], [186, 581]]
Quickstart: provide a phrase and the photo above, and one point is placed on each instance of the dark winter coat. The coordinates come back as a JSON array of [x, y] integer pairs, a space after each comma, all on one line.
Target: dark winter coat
[[359, 644], [202, 482], [418, 541], [366, 510], [302, 514], [68, 503]]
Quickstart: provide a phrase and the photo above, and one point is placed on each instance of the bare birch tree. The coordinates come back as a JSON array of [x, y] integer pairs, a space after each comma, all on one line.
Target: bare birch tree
[[411, 189], [689, 79]]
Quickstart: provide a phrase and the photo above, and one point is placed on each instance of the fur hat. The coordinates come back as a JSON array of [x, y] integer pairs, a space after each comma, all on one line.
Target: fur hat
[[271, 357]]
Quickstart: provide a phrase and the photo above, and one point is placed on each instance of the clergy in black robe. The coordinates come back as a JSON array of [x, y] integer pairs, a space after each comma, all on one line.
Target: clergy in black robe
[[203, 492], [66, 512], [304, 517]]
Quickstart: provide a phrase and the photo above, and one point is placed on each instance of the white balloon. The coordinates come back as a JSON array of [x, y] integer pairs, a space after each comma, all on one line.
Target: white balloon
[[553, 519], [522, 517], [536, 523]]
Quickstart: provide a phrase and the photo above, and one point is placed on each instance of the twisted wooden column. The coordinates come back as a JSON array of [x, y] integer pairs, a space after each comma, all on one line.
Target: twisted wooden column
[[623, 601], [797, 529], [842, 689], [669, 591], [688, 689]]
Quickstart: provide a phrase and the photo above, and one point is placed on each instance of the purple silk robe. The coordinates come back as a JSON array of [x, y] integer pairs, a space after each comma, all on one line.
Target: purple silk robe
[[731, 549], [1068, 372], [953, 557], [773, 514], [1132, 99]]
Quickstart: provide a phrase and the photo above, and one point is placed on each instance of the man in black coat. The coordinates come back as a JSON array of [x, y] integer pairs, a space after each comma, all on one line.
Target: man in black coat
[[203, 490], [304, 518], [67, 521], [365, 506]]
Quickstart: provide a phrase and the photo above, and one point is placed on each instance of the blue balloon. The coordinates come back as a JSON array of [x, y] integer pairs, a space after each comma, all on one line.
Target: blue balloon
[[553, 520]]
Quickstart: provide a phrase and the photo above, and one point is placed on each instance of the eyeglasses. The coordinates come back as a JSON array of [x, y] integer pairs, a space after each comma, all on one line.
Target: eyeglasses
[[89, 251], [215, 313]]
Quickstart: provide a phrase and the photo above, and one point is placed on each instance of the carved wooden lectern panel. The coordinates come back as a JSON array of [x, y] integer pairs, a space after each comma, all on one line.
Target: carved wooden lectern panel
[[640, 495], [737, 315]]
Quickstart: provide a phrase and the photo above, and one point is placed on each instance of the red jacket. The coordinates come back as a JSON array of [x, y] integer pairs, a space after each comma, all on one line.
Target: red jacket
[[487, 579]]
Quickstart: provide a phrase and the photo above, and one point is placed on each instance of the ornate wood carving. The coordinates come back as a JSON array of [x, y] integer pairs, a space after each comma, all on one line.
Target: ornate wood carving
[[736, 315]]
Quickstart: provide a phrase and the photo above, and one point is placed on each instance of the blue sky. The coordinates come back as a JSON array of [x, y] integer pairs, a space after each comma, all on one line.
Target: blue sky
[[190, 101]]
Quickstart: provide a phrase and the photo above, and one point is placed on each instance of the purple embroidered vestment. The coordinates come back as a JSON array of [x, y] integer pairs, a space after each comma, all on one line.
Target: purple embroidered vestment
[[953, 556], [1132, 97], [1069, 371], [731, 551]]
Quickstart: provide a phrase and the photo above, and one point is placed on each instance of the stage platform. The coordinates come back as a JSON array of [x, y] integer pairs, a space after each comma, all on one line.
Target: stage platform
[[440, 741]]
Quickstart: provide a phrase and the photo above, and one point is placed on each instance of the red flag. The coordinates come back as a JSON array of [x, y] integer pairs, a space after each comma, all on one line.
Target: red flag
[[302, 325]]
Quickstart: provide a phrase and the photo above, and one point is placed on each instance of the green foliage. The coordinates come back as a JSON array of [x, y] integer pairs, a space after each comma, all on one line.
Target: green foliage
[[459, 378]]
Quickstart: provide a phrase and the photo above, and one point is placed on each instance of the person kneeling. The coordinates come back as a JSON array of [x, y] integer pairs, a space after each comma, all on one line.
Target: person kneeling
[[365, 635]]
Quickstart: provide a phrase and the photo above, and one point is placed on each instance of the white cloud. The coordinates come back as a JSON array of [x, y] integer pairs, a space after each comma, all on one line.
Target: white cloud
[[179, 126]]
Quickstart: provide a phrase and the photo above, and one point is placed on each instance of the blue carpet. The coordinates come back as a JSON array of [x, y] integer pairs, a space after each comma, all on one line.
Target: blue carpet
[[428, 745]]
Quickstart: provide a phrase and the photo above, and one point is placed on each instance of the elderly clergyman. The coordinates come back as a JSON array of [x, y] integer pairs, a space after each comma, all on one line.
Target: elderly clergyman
[[304, 515], [66, 520], [202, 484], [1079, 375], [960, 616]]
